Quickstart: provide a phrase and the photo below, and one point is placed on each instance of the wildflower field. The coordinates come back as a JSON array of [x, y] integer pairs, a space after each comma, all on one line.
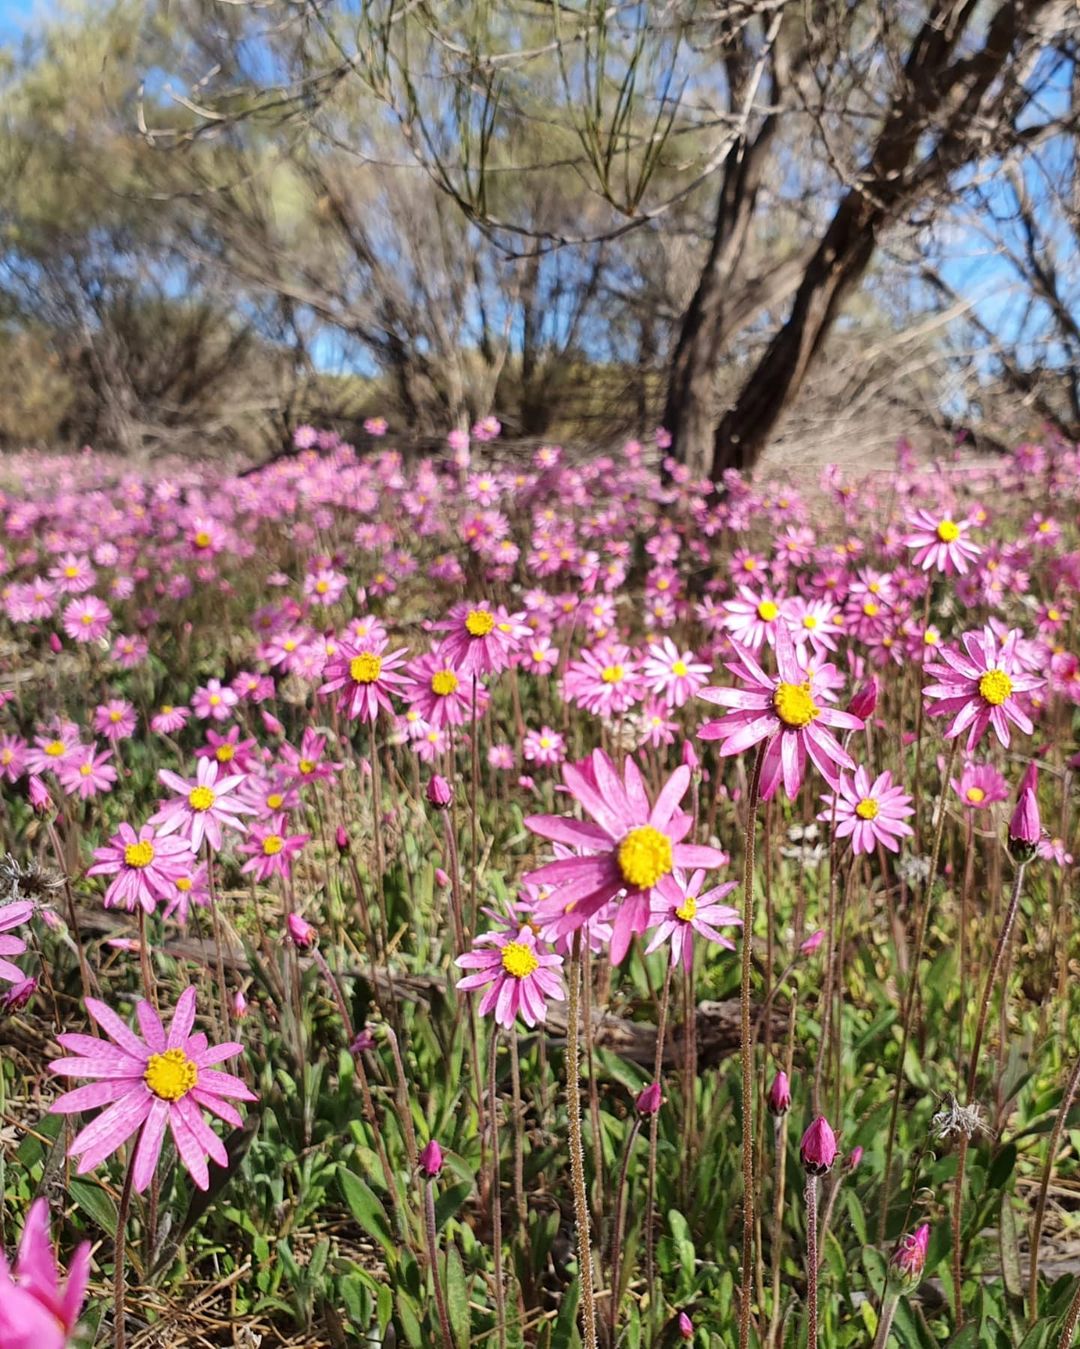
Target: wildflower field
[[509, 898]]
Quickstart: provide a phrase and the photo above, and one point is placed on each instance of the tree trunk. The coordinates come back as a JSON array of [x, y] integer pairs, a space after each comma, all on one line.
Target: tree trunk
[[887, 186]]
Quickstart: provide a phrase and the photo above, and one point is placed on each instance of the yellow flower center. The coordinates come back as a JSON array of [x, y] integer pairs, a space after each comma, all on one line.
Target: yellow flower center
[[225, 753], [612, 674], [202, 539], [54, 749], [995, 686], [115, 716], [975, 795], [365, 668], [170, 1076], [272, 844], [687, 910], [214, 699], [183, 884], [867, 809], [71, 573], [6, 756], [794, 704], [306, 767], [545, 742], [948, 531], [443, 683], [519, 960], [85, 769], [767, 611], [930, 637], [749, 563], [663, 583], [166, 709], [539, 656], [1054, 615], [870, 609], [679, 668], [478, 622], [321, 587], [200, 798], [86, 620], [645, 855], [809, 621], [139, 854], [275, 801]]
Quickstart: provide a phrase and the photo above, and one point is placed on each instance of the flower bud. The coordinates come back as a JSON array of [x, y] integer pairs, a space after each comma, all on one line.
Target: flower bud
[[854, 1158], [271, 723], [363, 1041], [239, 1005], [811, 944], [906, 1265], [649, 1099], [686, 1326], [55, 644], [439, 792], [431, 1160], [18, 995], [39, 795], [341, 838], [690, 760], [301, 932], [1025, 828], [778, 1098], [441, 878], [818, 1148], [864, 700]]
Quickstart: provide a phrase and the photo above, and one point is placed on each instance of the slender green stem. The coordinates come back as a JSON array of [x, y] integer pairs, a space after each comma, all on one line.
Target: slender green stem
[[910, 998], [991, 978], [577, 1151], [496, 1194], [957, 1234], [654, 1136], [811, 1261], [617, 1238], [120, 1255], [885, 1320], [1044, 1187], [433, 1260], [746, 1055]]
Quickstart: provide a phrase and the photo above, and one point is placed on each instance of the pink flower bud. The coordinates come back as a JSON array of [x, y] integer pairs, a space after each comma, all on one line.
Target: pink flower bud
[[341, 838], [686, 1326], [854, 1158], [441, 878], [909, 1257], [691, 761], [649, 1099], [55, 644], [362, 1042], [1030, 780], [1025, 828], [811, 944], [431, 1160], [779, 1095], [301, 932], [18, 995], [818, 1148], [864, 700], [39, 795], [439, 792], [239, 1005], [271, 723]]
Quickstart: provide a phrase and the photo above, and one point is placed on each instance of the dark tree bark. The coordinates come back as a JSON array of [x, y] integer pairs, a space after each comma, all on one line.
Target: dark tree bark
[[936, 88]]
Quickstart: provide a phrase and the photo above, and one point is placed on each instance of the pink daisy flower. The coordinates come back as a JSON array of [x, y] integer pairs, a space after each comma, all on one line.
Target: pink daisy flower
[[680, 911], [939, 543], [12, 756], [49, 751], [149, 1083], [115, 719], [631, 846], [270, 849], [87, 619], [786, 712], [604, 681], [868, 812], [544, 746], [203, 806], [978, 686], [143, 866], [72, 574], [440, 694], [307, 764], [979, 786], [129, 652], [12, 915], [523, 976], [193, 887], [167, 720], [86, 771], [37, 1309], [752, 619], [674, 674], [325, 586], [367, 675], [475, 643], [215, 700]]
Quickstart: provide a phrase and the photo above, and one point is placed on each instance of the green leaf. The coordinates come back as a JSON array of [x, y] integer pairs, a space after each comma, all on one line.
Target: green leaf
[[1001, 1168], [94, 1201], [457, 1298], [365, 1208], [1008, 1243], [409, 1320]]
